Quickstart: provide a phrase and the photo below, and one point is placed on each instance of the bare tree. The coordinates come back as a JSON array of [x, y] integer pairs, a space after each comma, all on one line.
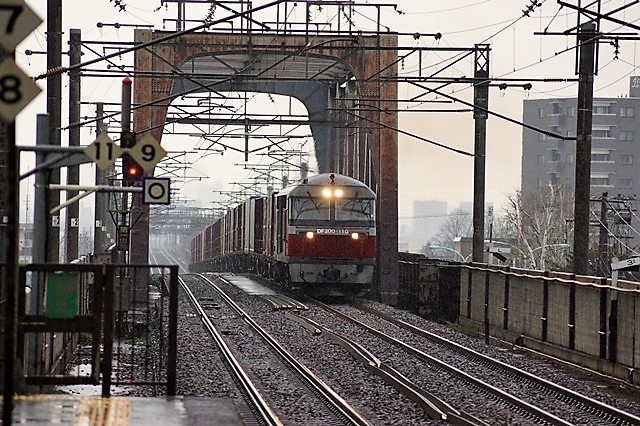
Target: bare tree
[[457, 224], [538, 224]]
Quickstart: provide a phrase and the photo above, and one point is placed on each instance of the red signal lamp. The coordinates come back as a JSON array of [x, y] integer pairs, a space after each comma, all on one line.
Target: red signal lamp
[[131, 170]]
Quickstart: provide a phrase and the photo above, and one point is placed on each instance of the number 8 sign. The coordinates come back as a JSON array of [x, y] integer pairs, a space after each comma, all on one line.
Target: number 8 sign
[[17, 20], [16, 90]]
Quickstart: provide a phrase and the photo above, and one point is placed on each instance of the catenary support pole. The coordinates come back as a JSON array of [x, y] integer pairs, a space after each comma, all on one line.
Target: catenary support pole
[[586, 49], [73, 172], [480, 99], [54, 107]]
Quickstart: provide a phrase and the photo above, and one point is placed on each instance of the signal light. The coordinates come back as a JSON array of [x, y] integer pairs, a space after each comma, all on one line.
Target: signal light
[[131, 171]]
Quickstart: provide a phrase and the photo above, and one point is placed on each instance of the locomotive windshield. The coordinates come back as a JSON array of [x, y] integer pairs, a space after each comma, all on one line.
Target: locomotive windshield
[[350, 211], [308, 208], [355, 210]]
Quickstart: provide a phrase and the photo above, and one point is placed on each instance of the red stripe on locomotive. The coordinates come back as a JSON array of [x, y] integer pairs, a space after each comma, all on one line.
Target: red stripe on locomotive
[[331, 246]]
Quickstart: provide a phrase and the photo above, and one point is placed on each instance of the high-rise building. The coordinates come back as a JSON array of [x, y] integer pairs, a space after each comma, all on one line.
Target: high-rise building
[[615, 151], [615, 157]]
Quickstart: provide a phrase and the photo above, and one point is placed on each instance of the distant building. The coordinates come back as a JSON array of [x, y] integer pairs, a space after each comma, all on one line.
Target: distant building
[[425, 222], [428, 217], [615, 151], [466, 206]]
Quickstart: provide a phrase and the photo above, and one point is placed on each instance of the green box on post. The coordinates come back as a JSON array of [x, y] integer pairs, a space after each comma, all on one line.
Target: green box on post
[[61, 291]]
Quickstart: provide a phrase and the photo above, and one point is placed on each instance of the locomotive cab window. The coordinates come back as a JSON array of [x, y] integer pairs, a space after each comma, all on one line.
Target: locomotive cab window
[[355, 210], [309, 209]]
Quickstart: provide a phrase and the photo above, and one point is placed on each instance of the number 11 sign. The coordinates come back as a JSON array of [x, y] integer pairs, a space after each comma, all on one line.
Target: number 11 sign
[[103, 151]]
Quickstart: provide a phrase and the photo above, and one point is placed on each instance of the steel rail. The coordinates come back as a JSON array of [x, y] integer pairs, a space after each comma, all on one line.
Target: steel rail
[[256, 401], [544, 385], [433, 406], [518, 403], [336, 403]]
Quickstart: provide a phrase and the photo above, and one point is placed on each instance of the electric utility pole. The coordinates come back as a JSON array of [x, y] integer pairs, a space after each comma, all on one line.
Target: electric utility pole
[[586, 60], [481, 101]]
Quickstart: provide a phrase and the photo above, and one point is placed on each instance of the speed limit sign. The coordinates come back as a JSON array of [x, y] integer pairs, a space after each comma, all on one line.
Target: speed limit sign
[[156, 190]]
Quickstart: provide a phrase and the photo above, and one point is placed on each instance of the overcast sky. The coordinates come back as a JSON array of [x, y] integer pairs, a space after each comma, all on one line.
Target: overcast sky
[[426, 171]]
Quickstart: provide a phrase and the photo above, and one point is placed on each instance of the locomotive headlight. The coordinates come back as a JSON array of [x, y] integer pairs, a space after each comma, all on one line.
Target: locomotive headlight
[[338, 193], [355, 235], [310, 235], [326, 193]]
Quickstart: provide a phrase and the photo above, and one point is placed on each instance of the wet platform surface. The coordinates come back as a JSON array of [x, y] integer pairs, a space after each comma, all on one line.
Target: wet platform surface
[[122, 411]]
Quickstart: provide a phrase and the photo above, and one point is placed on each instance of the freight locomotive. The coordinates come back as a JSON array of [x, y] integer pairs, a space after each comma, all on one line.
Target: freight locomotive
[[317, 235]]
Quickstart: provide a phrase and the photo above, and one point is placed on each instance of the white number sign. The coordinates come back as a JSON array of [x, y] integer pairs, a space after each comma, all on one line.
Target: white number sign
[[147, 152], [17, 21], [103, 151], [16, 90]]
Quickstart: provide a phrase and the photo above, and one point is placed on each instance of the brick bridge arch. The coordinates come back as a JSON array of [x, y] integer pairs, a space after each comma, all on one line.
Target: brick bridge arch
[[352, 107]]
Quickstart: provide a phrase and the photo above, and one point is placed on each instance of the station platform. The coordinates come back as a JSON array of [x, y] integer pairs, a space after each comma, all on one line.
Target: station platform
[[121, 411]]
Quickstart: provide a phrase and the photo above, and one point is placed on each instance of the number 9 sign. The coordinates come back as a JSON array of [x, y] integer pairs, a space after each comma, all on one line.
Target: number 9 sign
[[147, 152]]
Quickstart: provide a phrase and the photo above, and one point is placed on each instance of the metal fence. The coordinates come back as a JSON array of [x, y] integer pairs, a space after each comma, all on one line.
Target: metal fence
[[108, 325], [429, 288], [140, 331], [59, 309]]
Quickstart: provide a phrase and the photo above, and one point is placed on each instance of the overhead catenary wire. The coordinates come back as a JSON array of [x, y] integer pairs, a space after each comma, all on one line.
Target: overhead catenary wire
[[622, 244]]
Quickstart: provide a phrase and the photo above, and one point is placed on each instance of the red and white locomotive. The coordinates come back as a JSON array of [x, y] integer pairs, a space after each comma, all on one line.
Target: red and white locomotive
[[318, 234]]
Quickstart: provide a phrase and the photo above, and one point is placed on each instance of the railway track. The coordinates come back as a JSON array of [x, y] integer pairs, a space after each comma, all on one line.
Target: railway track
[[337, 410], [259, 406], [434, 407], [390, 382], [162, 256], [563, 395], [516, 388]]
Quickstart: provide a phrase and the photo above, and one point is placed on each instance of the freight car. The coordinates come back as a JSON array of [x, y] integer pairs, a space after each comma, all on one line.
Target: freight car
[[317, 235]]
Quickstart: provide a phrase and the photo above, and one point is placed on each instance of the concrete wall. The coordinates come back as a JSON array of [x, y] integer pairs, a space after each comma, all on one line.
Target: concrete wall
[[588, 319], [576, 319], [628, 342], [582, 319], [558, 318]]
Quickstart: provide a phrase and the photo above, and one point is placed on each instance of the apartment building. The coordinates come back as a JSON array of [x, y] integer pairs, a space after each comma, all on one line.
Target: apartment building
[[615, 151]]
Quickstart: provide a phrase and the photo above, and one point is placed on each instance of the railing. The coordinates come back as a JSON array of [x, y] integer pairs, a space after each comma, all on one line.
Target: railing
[[68, 312]]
